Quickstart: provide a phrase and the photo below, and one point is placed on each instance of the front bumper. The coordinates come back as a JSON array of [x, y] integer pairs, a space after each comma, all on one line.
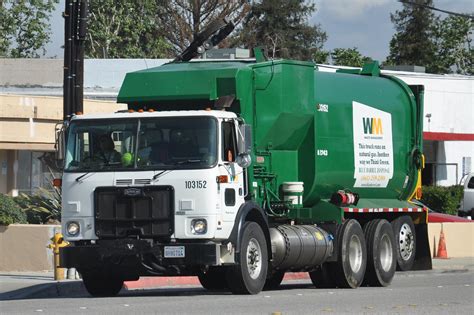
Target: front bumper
[[138, 257]]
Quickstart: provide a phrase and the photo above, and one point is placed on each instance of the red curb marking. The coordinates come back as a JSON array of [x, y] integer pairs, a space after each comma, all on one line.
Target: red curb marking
[[156, 282]]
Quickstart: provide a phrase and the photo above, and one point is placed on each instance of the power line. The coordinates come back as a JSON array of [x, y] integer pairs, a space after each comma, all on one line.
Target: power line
[[436, 9]]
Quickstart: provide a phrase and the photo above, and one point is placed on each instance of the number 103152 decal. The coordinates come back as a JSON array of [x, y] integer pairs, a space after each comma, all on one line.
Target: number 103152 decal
[[195, 184]]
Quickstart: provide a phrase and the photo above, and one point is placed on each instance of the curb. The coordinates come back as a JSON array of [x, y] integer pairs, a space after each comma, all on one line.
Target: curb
[[71, 288], [158, 282]]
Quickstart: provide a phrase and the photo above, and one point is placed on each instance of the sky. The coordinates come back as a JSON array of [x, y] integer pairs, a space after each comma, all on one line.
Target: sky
[[364, 24]]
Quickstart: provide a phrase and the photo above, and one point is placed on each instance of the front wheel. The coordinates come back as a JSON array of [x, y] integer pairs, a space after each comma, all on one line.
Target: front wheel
[[213, 279], [405, 238], [250, 274], [102, 286]]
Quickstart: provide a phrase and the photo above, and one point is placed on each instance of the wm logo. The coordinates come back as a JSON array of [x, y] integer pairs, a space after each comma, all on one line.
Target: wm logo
[[372, 126]]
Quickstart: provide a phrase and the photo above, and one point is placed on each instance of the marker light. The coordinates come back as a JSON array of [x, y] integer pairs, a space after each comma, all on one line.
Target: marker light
[[221, 179], [57, 182]]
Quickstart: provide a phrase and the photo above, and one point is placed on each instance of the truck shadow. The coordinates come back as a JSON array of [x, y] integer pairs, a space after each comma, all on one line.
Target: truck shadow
[[75, 289], [199, 291]]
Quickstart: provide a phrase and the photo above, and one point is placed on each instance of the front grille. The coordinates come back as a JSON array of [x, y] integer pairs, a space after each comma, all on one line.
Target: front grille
[[129, 211]]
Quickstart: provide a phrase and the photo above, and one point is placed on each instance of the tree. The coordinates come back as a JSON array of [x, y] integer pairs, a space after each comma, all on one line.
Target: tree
[[454, 45], [349, 57], [24, 27], [321, 56], [281, 26], [182, 19], [124, 29], [414, 42]]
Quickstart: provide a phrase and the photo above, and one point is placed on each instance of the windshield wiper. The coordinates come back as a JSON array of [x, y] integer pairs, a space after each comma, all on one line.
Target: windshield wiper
[[158, 175], [190, 161], [78, 179]]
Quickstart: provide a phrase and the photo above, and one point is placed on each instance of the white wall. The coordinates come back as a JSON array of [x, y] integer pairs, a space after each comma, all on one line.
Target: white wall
[[448, 98], [450, 101]]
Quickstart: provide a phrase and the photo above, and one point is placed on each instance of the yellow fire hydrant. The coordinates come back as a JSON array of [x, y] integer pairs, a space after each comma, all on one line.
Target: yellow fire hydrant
[[57, 242]]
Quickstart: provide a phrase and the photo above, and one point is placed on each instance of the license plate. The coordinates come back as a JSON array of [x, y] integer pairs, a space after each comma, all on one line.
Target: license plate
[[174, 251]]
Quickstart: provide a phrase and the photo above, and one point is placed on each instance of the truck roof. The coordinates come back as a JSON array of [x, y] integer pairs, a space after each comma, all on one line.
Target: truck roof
[[149, 114]]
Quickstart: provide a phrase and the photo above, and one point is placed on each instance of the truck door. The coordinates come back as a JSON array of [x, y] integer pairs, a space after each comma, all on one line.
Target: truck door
[[231, 189]]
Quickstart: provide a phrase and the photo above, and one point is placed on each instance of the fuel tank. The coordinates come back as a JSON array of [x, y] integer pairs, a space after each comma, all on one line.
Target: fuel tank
[[299, 247]]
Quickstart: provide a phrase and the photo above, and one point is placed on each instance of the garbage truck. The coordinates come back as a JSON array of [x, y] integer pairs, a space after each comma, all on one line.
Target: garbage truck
[[237, 171]]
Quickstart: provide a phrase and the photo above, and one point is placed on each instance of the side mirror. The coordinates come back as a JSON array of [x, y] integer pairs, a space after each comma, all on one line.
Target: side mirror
[[244, 139], [243, 160], [244, 146], [60, 144]]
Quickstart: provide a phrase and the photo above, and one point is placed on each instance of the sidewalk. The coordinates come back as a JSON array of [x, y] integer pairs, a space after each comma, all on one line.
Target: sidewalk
[[24, 285]]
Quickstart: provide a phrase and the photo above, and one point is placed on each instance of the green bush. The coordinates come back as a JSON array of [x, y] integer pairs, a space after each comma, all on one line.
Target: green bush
[[443, 199], [42, 207], [10, 212]]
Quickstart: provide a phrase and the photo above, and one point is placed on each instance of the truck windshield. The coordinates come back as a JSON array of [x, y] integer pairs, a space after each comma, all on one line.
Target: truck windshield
[[148, 143]]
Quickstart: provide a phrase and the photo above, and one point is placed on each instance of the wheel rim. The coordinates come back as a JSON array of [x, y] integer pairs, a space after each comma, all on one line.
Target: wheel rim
[[355, 253], [406, 241], [386, 253], [254, 261]]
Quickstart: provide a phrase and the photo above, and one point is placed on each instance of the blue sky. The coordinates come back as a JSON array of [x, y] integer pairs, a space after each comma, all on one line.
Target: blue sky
[[364, 24]]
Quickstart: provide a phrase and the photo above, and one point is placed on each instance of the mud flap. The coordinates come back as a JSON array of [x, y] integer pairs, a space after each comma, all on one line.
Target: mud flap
[[423, 254]]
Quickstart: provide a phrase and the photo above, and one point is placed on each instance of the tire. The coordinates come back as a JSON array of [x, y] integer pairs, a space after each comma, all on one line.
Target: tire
[[214, 279], [405, 238], [349, 270], [322, 276], [381, 253], [100, 286], [274, 281], [250, 274]]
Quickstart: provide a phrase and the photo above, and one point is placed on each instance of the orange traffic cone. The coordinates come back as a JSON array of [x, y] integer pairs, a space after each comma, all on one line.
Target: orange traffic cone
[[442, 253]]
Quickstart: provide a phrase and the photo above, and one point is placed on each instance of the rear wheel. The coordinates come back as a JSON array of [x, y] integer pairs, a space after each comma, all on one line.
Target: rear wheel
[[250, 274], [274, 281], [322, 276], [101, 286], [349, 270], [381, 261], [213, 279], [405, 238]]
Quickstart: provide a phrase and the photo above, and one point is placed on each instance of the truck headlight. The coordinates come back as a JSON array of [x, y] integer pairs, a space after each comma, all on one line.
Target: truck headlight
[[199, 226], [72, 228]]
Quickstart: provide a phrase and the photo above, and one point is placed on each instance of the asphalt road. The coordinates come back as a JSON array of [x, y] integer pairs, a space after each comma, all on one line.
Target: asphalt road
[[418, 292]]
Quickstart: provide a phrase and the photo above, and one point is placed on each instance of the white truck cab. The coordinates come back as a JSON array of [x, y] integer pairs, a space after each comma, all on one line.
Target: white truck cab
[[159, 175]]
